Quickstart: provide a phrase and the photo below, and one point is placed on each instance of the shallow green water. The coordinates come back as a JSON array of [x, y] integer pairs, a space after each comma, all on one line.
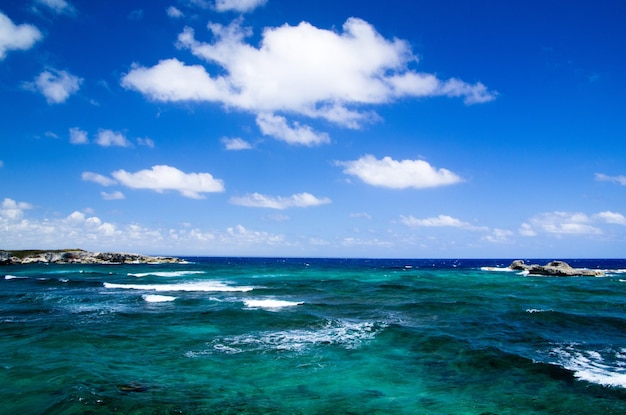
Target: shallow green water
[[268, 336]]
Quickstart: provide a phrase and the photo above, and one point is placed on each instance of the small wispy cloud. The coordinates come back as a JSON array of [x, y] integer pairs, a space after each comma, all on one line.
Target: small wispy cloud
[[236, 144], [300, 200], [78, 136], [440, 221], [116, 195], [108, 138], [98, 178], [58, 6], [242, 6], [613, 179]]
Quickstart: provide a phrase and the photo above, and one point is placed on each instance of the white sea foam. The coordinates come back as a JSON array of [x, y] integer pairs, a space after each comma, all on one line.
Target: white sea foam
[[270, 304], [346, 334], [212, 286], [153, 298], [14, 277], [592, 366], [496, 269], [165, 274], [536, 310]]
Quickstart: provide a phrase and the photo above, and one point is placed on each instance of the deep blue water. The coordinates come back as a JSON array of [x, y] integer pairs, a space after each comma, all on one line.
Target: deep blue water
[[312, 336]]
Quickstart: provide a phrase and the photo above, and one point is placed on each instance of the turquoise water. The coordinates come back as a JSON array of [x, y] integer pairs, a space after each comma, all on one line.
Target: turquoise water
[[311, 336]]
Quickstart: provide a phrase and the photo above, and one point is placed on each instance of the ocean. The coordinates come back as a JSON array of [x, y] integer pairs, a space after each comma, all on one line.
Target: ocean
[[312, 336]]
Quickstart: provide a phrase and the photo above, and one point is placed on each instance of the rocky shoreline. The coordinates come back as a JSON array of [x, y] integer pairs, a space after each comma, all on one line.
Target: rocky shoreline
[[79, 256], [555, 269]]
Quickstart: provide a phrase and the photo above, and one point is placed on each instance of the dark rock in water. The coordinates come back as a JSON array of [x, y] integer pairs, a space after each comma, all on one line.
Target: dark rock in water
[[132, 387], [555, 269]]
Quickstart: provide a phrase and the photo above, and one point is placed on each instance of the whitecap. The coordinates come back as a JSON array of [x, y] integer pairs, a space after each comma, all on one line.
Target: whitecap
[[165, 274], [271, 304], [14, 277], [212, 286], [592, 366], [153, 298], [346, 334], [496, 269], [536, 310]]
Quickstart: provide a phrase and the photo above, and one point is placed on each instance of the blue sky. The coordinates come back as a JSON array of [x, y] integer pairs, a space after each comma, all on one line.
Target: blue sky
[[314, 128]]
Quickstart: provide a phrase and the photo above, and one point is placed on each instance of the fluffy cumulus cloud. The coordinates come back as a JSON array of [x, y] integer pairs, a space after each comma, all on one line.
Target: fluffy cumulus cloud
[[12, 210], [85, 230], [242, 6], [16, 37], [162, 178], [302, 70], [613, 179], [55, 85], [279, 202], [394, 174]]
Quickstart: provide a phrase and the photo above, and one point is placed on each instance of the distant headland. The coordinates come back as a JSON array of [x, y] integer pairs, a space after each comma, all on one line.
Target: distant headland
[[79, 256]]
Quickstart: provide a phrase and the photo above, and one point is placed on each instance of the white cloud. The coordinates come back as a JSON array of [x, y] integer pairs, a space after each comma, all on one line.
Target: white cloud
[[16, 37], [58, 6], [440, 221], [172, 80], [98, 178], [12, 210], [236, 143], [117, 195], [55, 85], [277, 127], [78, 136], [174, 12], [527, 230], [499, 236], [613, 179], [162, 178], [279, 202], [560, 223], [240, 235], [108, 138], [395, 174], [299, 69], [242, 6], [361, 215], [148, 142], [87, 231], [611, 217]]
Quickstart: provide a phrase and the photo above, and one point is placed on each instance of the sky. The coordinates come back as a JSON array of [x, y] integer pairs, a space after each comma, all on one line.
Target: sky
[[447, 129]]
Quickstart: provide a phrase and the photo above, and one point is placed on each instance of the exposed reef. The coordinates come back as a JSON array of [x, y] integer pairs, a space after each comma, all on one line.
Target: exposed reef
[[555, 269], [79, 256]]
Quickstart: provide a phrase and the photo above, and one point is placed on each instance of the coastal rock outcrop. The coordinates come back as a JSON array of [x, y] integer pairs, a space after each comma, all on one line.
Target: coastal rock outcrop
[[79, 256], [555, 269]]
